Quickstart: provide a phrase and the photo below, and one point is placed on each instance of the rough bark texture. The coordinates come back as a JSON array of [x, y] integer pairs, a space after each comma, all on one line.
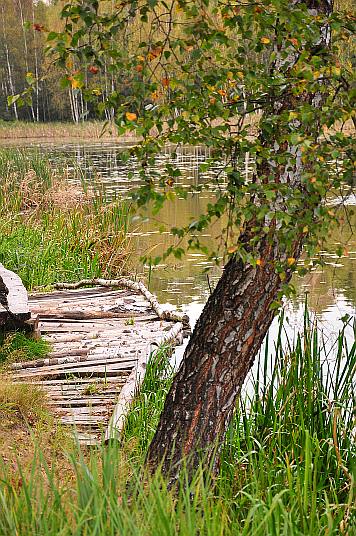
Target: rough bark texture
[[224, 343]]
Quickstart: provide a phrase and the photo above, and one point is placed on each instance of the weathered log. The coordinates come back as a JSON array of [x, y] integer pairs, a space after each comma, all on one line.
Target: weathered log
[[162, 313], [134, 382], [90, 315], [14, 308]]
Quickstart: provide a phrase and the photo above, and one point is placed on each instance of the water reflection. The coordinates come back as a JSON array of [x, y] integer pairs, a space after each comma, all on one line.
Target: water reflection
[[331, 288]]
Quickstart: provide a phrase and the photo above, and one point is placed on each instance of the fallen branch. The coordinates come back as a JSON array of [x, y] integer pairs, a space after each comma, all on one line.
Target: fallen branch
[[163, 314]]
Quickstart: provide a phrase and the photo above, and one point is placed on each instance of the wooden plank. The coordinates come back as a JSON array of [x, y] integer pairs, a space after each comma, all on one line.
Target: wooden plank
[[85, 372], [84, 401], [89, 420], [78, 381], [64, 316], [82, 361], [84, 411], [82, 294]]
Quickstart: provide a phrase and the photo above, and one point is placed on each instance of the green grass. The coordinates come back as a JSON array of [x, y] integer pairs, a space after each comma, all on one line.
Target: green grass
[[287, 464], [52, 229], [19, 347], [19, 402]]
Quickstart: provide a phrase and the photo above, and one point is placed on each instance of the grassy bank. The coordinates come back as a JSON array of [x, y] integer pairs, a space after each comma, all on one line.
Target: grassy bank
[[287, 465], [53, 229], [91, 130], [17, 130]]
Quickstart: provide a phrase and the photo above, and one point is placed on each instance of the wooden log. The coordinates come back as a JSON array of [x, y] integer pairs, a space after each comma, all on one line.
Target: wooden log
[[127, 393], [133, 285], [64, 363], [79, 382], [90, 372], [91, 315], [83, 401], [14, 308]]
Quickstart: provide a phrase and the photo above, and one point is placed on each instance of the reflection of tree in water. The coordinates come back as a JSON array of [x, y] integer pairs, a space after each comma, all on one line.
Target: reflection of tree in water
[[335, 280]]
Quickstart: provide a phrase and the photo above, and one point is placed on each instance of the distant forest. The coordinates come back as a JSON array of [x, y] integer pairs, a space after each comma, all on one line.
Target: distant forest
[[23, 30]]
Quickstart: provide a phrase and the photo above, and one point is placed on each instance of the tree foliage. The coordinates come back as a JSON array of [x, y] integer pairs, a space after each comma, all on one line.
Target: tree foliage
[[217, 73]]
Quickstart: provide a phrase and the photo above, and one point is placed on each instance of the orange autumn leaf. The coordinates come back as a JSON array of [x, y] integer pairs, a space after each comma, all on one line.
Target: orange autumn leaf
[[265, 40], [165, 82], [154, 53], [291, 261], [130, 116], [74, 83], [93, 69]]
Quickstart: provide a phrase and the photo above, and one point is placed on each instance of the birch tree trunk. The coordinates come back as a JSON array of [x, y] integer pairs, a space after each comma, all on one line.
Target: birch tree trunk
[[230, 331], [37, 111], [8, 63], [25, 47]]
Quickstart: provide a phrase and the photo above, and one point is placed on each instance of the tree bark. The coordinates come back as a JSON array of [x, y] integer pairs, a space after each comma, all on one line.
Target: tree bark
[[227, 336]]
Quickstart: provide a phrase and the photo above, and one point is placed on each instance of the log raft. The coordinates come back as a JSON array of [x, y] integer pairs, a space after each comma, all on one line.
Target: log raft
[[101, 338]]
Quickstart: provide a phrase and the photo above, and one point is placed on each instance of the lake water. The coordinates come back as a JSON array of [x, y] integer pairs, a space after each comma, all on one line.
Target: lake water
[[330, 289]]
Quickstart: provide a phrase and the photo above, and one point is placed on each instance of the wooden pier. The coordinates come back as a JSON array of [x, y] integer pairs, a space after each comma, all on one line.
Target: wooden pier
[[101, 339]]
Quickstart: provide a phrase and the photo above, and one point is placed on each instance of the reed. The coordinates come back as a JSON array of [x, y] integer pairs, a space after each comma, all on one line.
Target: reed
[[18, 130], [287, 465], [54, 227]]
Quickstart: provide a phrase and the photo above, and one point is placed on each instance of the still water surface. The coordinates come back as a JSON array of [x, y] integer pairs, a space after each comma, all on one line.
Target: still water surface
[[330, 289]]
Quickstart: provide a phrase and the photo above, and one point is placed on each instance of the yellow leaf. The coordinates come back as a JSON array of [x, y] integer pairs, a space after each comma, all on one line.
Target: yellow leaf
[[305, 229], [230, 75], [291, 261], [75, 83], [292, 115], [131, 116], [259, 262], [265, 40], [232, 249]]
